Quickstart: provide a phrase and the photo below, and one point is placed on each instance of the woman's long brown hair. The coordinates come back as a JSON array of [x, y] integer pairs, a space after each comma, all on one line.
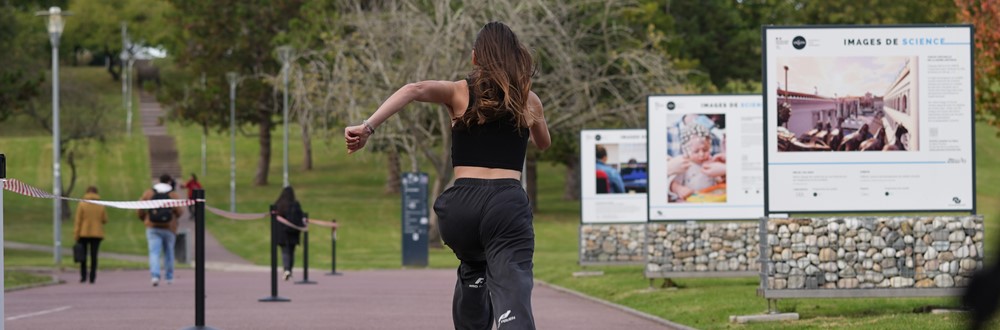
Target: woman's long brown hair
[[501, 80]]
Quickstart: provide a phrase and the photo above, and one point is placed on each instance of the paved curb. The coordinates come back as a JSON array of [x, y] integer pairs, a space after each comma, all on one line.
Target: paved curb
[[32, 286], [625, 309]]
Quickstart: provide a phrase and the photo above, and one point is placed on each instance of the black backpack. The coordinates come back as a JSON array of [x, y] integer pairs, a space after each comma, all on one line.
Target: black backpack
[[161, 215]]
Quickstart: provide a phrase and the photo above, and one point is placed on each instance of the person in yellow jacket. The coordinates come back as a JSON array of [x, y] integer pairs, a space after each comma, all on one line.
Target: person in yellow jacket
[[88, 230]]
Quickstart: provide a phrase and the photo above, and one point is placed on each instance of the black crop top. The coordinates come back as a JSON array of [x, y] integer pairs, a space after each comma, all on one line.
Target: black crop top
[[494, 144]]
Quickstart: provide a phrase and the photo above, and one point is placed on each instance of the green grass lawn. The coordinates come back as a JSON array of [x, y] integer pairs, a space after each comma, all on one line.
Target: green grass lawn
[[24, 268], [119, 167], [349, 189]]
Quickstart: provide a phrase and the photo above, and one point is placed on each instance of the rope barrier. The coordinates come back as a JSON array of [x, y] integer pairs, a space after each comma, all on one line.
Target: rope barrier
[[235, 216], [21, 188], [321, 223], [285, 222]]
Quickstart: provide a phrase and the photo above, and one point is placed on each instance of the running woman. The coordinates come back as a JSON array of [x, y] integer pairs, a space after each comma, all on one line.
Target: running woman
[[485, 217]]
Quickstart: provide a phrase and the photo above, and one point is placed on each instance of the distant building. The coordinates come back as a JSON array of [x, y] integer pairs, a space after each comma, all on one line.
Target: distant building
[[808, 110], [901, 107]]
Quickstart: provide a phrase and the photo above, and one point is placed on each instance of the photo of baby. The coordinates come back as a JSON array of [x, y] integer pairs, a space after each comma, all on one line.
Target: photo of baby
[[696, 158]]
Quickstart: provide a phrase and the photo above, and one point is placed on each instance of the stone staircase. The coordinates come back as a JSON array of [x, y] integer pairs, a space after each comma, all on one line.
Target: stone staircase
[[163, 157]]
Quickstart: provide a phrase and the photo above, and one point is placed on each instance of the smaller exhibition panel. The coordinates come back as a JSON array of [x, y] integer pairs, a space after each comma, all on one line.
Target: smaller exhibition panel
[[613, 176], [705, 157], [613, 181]]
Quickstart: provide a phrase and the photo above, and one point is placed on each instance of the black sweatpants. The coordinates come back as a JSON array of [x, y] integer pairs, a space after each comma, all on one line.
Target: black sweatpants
[[91, 244], [487, 223], [287, 256]]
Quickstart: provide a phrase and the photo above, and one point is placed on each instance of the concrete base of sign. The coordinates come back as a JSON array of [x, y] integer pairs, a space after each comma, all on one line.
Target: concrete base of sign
[[861, 293], [763, 318], [652, 275], [947, 311], [588, 273]]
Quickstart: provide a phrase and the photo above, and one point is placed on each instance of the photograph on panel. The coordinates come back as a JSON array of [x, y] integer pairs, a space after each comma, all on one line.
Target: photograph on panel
[[847, 103], [696, 158], [620, 168]]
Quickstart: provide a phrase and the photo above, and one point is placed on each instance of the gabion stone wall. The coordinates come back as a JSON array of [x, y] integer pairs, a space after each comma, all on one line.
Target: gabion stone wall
[[873, 252], [708, 246], [612, 244]]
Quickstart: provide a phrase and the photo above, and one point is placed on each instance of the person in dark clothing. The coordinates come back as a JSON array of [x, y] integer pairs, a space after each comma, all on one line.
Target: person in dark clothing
[[485, 217], [287, 237], [982, 296]]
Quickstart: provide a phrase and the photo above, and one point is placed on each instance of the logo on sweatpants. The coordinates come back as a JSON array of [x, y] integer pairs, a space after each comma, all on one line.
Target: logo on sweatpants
[[478, 284], [505, 317]]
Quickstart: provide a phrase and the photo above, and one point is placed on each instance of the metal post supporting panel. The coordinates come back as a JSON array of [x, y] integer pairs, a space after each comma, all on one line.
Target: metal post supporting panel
[[274, 261], [333, 251], [199, 265], [305, 253]]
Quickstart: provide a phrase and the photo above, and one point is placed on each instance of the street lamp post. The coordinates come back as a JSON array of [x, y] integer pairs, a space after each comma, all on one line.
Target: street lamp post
[[128, 111], [285, 56], [233, 79], [128, 76], [204, 132], [55, 28]]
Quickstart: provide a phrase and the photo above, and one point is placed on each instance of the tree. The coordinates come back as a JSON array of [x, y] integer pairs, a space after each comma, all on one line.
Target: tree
[[984, 15], [231, 35], [22, 73], [719, 40], [595, 70], [96, 25], [591, 69], [83, 120]]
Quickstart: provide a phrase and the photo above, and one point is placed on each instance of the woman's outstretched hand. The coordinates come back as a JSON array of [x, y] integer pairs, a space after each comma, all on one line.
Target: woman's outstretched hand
[[355, 137]]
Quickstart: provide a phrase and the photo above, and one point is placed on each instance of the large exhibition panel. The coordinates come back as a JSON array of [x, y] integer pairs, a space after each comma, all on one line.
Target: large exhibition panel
[[862, 119]]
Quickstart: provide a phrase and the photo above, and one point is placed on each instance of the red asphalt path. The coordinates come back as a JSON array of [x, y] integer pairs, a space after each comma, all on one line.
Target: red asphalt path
[[385, 299]]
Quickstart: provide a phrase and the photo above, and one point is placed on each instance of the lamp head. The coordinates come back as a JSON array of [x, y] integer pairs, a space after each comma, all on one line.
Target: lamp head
[[285, 54], [232, 77], [55, 19]]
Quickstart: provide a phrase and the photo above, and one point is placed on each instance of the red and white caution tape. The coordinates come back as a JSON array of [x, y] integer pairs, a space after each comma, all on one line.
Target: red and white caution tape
[[21, 188], [236, 216]]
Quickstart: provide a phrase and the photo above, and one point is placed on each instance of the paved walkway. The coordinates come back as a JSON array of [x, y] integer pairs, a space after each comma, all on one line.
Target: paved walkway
[[163, 159], [386, 299]]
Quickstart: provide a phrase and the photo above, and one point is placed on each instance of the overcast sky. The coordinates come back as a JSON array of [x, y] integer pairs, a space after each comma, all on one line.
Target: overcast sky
[[845, 76]]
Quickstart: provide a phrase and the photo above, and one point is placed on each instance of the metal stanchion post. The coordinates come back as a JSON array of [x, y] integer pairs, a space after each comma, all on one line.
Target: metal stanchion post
[[305, 253], [333, 251], [274, 262], [199, 264], [3, 175]]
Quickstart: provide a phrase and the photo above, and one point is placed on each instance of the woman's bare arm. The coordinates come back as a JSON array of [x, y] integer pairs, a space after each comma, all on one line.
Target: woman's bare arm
[[539, 129], [430, 91]]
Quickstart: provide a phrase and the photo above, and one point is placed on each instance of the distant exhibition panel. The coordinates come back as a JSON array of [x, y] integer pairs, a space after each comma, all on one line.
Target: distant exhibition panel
[[705, 157], [872, 118], [613, 176]]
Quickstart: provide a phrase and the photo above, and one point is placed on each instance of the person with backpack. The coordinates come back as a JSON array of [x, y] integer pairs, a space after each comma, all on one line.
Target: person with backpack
[[161, 229]]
